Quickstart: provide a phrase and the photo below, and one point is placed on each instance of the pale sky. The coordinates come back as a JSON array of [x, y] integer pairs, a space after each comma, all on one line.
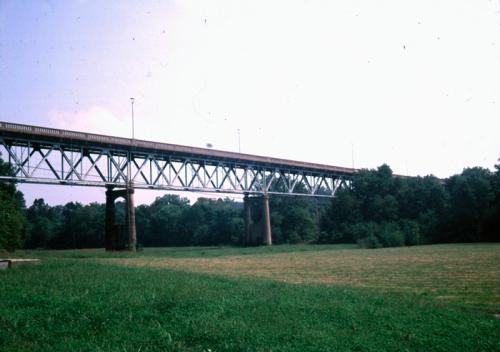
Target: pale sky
[[414, 84]]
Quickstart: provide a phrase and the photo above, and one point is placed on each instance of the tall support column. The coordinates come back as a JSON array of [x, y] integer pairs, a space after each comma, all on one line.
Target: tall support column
[[132, 236], [110, 219], [120, 236], [248, 219], [266, 220]]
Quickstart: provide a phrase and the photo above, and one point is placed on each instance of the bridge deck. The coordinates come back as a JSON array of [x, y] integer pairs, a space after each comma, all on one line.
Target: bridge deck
[[8, 129]]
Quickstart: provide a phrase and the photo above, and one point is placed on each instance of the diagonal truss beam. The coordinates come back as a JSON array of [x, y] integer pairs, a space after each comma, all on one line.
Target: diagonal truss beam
[[102, 165]]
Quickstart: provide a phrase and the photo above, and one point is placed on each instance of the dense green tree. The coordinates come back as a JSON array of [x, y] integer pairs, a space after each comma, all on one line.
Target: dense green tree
[[368, 208], [383, 209], [143, 224], [426, 201], [492, 222], [80, 226], [344, 209], [166, 226], [42, 225], [13, 220], [215, 222], [293, 219], [378, 209], [471, 196]]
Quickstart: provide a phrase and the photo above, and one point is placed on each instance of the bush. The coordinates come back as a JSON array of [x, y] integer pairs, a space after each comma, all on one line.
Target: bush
[[386, 234], [361, 230], [390, 235], [369, 242], [411, 231], [294, 238]]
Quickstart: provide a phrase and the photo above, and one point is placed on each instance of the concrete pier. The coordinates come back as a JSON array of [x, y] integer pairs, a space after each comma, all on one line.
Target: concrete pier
[[132, 235], [120, 237], [266, 220], [260, 232], [248, 219]]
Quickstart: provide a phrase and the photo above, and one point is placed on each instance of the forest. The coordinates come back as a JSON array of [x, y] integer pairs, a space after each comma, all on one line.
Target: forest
[[379, 209]]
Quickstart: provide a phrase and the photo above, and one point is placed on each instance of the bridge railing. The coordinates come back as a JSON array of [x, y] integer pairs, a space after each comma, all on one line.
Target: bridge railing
[[137, 144]]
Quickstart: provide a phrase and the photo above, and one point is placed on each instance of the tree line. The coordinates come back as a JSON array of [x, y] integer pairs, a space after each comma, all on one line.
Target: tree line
[[379, 209], [383, 210]]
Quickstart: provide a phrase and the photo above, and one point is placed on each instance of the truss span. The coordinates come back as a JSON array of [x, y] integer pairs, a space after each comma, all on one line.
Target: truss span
[[53, 156]]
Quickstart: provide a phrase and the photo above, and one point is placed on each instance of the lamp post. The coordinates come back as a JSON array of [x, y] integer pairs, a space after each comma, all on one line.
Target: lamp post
[[239, 141], [129, 171], [132, 103]]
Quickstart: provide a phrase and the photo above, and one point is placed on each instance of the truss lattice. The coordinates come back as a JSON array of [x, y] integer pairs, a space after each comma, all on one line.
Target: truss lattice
[[81, 163]]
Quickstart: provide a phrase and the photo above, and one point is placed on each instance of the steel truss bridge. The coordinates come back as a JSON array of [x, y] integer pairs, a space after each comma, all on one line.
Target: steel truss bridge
[[54, 156]]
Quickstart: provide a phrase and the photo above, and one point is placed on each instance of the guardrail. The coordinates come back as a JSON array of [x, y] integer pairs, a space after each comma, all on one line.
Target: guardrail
[[157, 146]]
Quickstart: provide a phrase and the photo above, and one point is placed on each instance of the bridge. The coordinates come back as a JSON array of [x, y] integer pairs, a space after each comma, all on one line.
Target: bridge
[[54, 156]]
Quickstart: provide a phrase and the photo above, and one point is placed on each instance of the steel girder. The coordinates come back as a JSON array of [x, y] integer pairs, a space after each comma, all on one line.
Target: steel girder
[[38, 161]]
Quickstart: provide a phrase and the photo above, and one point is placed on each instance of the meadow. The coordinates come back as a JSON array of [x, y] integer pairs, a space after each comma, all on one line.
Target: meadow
[[281, 298]]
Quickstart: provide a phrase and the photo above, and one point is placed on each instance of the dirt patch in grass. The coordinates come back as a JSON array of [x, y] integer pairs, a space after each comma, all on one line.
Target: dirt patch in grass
[[463, 274]]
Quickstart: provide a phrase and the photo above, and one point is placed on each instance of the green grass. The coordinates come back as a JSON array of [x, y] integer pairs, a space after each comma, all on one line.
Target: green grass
[[77, 301], [459, 274], [176, 252]]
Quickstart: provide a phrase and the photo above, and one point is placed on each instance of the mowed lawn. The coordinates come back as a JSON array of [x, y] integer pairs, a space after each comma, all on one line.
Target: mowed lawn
[[465, 274], [283, 298]]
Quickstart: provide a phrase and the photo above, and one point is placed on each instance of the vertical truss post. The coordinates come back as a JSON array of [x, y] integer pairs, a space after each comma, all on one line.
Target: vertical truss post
[[62, 162]]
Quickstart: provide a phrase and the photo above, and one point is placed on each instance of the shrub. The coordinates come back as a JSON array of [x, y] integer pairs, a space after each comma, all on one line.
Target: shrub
[[361, 230], [293, 237], [411, 231], [390, 235], [369, 242]]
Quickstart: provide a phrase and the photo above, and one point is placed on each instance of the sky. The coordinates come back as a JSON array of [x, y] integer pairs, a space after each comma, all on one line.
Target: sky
[[414, 84]]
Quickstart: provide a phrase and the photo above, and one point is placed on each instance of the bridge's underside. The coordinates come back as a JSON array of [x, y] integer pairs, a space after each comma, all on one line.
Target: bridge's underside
[[44, 155]]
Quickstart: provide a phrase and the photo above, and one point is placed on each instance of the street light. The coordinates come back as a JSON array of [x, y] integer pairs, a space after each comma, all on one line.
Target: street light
[[239, 141], [132, 102]]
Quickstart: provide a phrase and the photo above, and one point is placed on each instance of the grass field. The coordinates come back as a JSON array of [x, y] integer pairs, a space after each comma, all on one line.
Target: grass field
[[284, 298]]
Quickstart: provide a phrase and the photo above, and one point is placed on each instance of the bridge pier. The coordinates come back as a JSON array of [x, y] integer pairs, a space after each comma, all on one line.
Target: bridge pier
[[119, 237], [254, 233], [132, 234], [248, 219], [266, 220], [110, 232]]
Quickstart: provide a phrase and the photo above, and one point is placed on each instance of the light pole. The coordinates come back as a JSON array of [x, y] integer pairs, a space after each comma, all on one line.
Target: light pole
[[352, 154], [132, 235], [129, 171], [132, 103], [239, 141]]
